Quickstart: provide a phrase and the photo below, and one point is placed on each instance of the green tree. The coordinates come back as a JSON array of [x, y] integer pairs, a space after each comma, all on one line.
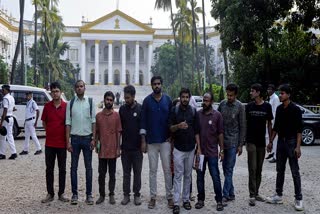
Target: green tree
[[3, 71]]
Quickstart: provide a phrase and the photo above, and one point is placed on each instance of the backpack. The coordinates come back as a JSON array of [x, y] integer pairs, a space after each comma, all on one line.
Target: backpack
[[71, 104]]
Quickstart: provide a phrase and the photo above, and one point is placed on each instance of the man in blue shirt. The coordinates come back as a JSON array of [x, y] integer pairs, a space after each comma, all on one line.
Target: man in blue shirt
[[155, 138]]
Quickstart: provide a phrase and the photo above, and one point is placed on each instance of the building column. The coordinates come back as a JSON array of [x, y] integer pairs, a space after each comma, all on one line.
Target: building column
[[96, 63], [150, 50], [83, 60], [123, 69], [136, 71], [110, 58]]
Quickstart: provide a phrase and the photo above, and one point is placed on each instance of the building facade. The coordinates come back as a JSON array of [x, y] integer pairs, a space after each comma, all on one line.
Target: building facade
[[115, 49]]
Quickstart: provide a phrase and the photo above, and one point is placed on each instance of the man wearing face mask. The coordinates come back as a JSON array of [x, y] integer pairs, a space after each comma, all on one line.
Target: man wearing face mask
[[108, 132], [154, 132]]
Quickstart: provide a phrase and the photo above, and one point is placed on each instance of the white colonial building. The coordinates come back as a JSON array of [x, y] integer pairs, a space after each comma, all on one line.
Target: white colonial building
[[115, 49]]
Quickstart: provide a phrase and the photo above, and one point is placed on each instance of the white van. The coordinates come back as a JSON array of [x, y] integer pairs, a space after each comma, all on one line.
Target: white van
[[40, 95]]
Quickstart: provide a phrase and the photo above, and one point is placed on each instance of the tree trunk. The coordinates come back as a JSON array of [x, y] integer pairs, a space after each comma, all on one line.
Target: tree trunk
[[194, 29], [175, 42], [35, 43], [205, 48], [226, 65], [267, 60], [20, 37]]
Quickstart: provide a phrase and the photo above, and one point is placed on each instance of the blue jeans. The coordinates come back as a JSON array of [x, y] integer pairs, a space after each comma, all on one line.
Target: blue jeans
[[81, 143], [215, 175], [228, 164]]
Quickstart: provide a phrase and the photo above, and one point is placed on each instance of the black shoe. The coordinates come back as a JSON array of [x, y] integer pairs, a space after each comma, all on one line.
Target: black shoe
[[2, 157], [176, 209], [187, 205], [38, 152], [272, 160], [219, 206], [199, 204], [100, 200], [270, 156], [23, 153], [13, 156]]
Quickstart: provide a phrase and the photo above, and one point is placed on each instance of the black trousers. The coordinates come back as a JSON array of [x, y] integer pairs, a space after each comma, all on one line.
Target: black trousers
[[50, 157], [104, 164], [131, 160], [285, 151]]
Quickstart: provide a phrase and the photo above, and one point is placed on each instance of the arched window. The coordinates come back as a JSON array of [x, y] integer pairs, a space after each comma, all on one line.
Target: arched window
[[141, 54], [92, 53], [116, 54], [127, 77], [116, 77], [92, 76], [105, 53], [128, 54], [106, 77], [141, 80]]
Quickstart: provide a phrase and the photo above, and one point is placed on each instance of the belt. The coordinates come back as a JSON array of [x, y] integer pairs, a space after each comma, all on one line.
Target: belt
[[31, 118], [82, 136]]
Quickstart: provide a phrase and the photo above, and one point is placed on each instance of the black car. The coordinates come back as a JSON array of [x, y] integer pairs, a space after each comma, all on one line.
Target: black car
[[311, 126]]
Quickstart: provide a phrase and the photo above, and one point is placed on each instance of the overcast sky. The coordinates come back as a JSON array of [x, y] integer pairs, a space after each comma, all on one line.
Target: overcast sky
[[73, 10]]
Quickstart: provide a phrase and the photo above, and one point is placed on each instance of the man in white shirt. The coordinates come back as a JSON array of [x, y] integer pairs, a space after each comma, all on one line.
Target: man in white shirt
[[6, 111], [31, 119], [274, 102]]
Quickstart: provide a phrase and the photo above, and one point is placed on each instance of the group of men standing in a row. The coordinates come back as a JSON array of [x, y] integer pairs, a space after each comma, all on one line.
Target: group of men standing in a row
[[175, 132]]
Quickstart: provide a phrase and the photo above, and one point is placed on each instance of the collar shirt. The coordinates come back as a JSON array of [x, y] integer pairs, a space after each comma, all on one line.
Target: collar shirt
[[31, 109], [211, 126], [80, 120], [234, 123], [8, 103], [274, 102]]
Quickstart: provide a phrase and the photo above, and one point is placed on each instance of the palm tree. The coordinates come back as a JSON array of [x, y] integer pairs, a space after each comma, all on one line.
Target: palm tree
[[20, 38], [35, 3], [167, 5], [205, 47]]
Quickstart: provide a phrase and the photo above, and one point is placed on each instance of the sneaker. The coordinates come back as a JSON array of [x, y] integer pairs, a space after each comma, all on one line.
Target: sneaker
[[273, 160], [74, 200], [275, 199], [176, 209], [13, 156], [252, 201], [2, 157], [152, 203], [125, 200], [199, 204], [260, 198], [170, 204], [219, 206], [137, 200], [23, 153], [298, 205], [63, 198], [47, 199], [270, 156], [186, 205], [111, 199], [38, 152], [100, 200], [231, 198], [89, 200], [224, 200]]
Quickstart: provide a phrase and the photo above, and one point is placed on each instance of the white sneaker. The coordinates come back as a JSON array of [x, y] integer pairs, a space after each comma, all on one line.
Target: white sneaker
[[275, 199], [298, 205]]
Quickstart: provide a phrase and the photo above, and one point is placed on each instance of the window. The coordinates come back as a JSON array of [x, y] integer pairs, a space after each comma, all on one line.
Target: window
[[105, 53], [141, 54], [73, 55], [20, 97], [116, 54], [40, 98], [92, 53]]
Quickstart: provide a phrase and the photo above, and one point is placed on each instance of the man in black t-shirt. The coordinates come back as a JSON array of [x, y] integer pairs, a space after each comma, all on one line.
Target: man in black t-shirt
[[258, 113], [131, 154], [288, 126], [184, 124]]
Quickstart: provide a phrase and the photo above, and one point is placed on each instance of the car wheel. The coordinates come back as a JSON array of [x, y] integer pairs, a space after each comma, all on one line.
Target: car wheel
[[308, 136], [15, 130]]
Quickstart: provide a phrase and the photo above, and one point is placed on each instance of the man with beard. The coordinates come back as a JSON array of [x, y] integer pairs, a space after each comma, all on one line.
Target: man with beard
[[258, 114], [80, 125], [184, 124], [155, 132], [131, 155], [288, 126], [108, 131], [234, 125], [211, 135]]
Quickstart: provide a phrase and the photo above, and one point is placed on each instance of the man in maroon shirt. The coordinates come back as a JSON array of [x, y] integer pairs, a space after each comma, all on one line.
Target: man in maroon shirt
[[53, 120]]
